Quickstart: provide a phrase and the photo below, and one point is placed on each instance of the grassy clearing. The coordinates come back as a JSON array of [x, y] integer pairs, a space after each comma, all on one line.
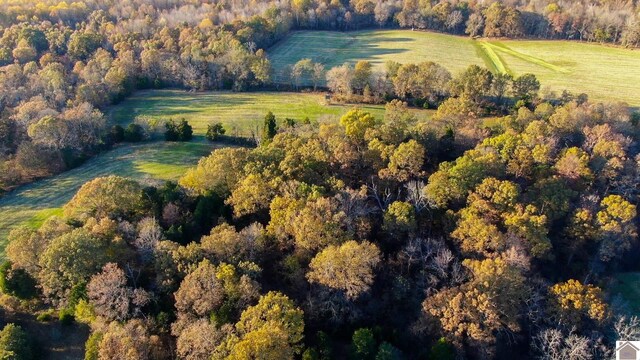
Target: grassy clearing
[[603, 72], [32, 204], [239, 112], [336, 48]]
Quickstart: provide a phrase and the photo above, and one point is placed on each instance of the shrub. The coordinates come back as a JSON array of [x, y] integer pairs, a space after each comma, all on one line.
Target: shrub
[[178, 132], [17, 282], [92, 346], [14, 343], [364, 344], [65, 316], [215, 131], [269, 129], [387, 351], [291, 123], [171, 131], [134, 133], [310, 354], [325, 346], [45, 316], [116, 134], [185, 131], [84, 312], [442, 350]]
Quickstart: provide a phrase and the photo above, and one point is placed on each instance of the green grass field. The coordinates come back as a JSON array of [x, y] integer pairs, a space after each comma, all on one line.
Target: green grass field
[[377, 46], [147, 162], [603, 72], [239, 112], [33, 203]]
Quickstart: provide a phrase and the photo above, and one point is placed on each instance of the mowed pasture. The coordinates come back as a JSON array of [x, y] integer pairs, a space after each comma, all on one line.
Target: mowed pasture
[[240, 113], [160, 160], [603, 72]]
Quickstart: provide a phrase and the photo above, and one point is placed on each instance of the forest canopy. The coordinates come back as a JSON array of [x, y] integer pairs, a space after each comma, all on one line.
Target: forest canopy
[[497, 227], [479, 242]]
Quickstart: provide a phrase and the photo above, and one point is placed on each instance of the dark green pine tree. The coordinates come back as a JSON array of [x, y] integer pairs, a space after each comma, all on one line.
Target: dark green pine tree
[[269, 129]]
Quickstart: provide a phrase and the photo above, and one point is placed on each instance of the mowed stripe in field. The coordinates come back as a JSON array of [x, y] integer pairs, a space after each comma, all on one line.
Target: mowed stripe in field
[[605, 73], [602, 72]]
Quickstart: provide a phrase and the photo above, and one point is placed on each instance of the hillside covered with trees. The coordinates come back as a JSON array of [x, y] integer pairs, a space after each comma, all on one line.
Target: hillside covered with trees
[[497, 228]]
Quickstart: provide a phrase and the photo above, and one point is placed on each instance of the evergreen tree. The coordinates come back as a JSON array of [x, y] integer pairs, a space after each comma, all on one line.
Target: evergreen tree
[[269, 129]]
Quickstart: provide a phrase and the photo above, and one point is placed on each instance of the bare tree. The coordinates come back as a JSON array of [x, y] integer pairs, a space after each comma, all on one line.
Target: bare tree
[[627, 328], [415, 195], [149, 234], [552, 344], [317, 74], [110, 296], [339, 79]]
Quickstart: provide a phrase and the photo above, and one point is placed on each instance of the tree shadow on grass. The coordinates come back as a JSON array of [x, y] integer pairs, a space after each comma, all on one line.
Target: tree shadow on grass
[[175, 104], [350, 48], [52, 340]]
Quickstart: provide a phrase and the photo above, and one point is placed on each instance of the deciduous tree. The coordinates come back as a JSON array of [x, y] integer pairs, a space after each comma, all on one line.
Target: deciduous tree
[[219, 172], [15, 343], [348, 267], [111, 196], [572, 303], [112, 298]]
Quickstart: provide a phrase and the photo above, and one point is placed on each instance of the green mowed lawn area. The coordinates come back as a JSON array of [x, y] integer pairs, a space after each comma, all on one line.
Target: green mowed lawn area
[[159, 160], [240, 113], [147, 162], [603, 72], [377, 46]]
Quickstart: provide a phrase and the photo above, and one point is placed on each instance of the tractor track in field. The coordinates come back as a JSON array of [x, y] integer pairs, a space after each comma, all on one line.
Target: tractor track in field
[[490, 52]]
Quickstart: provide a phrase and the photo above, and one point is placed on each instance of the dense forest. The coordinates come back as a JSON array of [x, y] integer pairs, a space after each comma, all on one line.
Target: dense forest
[[494, 229], [358, 239]]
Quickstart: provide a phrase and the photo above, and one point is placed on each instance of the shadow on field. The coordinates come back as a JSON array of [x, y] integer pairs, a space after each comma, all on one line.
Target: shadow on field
[[51, 339], [175, 104], [338, 48], [368, 48]]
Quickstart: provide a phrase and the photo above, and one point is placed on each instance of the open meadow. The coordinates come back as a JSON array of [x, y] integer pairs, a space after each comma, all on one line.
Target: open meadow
[[603, 72], [240, 113]]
